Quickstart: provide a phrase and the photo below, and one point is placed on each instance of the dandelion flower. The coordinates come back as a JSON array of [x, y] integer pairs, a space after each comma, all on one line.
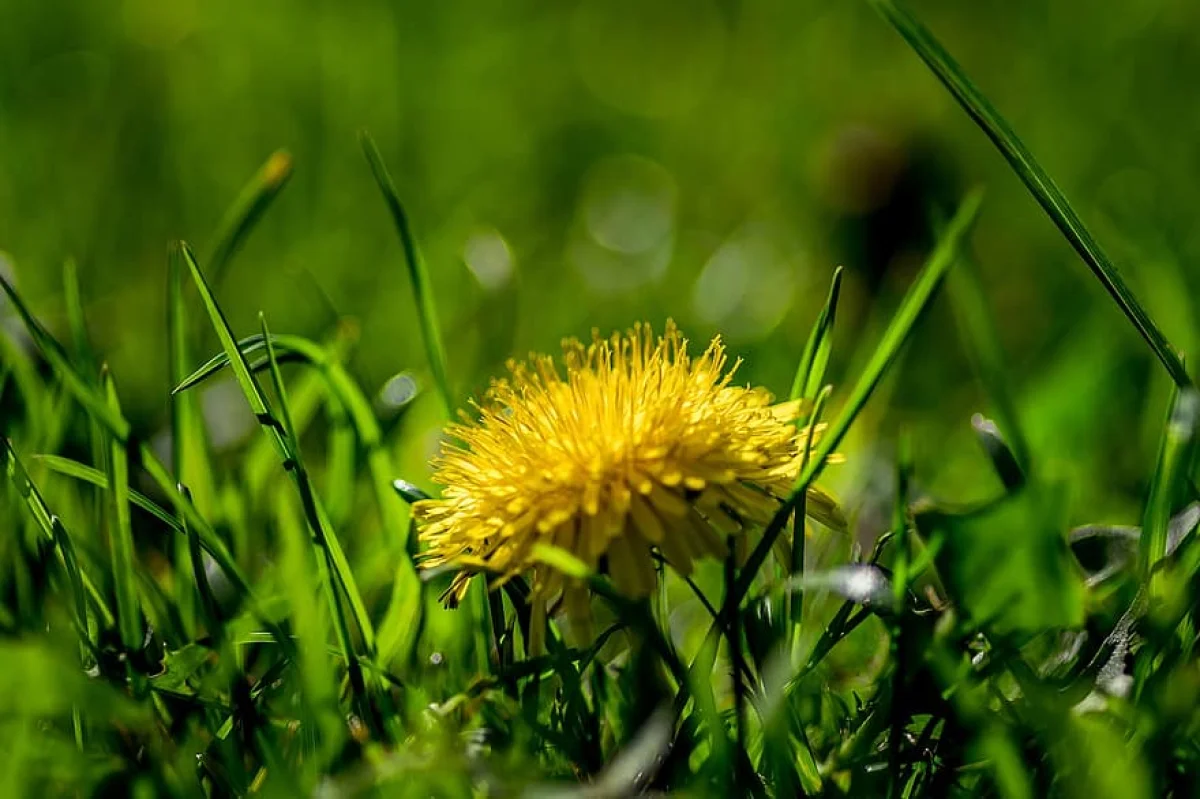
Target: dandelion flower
[[633, 446]]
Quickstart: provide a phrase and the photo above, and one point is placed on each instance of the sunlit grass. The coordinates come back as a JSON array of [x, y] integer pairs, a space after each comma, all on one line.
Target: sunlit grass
[[257, 622]]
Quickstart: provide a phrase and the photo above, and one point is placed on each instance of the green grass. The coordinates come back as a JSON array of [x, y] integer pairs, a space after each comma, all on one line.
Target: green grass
[[252, 620]]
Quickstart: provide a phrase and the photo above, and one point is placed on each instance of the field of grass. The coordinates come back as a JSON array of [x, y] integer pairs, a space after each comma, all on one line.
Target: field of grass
[[217, 572]]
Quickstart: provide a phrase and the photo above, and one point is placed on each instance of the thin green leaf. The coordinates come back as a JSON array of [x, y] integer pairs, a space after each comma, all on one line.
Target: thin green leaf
[[272, 428], [899, 639], [1004, 460], [120, 534], [246, 210], [810, 374], [981, 340], [1173, 453], [97, 405], [79, 388], [209, 604], [417, 272], [301, 348], [75, 318], [1035, 178], [311, 627], [316, 520], [93, 476], [46, 521], [914, 303]]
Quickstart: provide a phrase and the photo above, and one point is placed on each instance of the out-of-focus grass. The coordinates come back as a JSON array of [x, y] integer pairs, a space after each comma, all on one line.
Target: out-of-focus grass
[[166, 595]]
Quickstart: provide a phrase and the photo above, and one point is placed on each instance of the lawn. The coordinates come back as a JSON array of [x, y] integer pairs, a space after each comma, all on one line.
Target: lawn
[[600, 398]]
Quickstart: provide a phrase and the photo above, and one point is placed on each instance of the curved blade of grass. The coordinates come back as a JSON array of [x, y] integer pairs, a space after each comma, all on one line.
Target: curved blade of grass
[[1035, 178], [209, 604], [247, 209], [75, 318], [417, 272], [273, 429], [93, 476], [56, 356], [120, 533], [899, 638], [310, 625], [397, 630], [304, 396], [319, 525], [982, 343], [190, 460], [810, 373], [46, 521], [97, 406], [914, 303], [299, 347], [1173, 453], [74, 578]]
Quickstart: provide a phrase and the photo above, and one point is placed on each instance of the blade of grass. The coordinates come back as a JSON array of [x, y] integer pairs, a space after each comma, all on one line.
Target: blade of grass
[[397, 630], [75, 318], [272, 428], [303, 349], [1173, 453], [56, 356], [417, 272], [120, 537], [898, 330], [795, 605], [899, 639], [189, 444], [1035, 178], [246, 210], [209, 605], [97, 406], [733, 641], [45, 520], [982, 343], [321, 531], [311, 627], [93, 476], [810, 373]]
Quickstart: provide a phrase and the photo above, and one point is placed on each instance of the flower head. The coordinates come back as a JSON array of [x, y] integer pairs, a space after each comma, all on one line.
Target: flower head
[[633, 446]]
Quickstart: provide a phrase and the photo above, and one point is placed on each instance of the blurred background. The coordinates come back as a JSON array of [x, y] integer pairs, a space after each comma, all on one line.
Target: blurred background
[[588, 164]]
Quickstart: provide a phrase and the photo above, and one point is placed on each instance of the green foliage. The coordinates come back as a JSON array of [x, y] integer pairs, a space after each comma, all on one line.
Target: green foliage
[[186, 611]]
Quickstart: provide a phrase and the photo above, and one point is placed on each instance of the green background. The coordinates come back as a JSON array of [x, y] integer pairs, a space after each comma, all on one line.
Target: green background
[[579, 165]]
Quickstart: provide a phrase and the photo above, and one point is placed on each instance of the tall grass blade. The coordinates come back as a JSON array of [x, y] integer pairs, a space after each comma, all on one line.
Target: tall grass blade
[[46, 521], [120, 534], [93, 476], [914, 303], [1035, 178], [246, 210], [189, 444], [273, 429], [79, 387], [190, 461], [316, 521], [209, 604], [94, 401], [73, 299], [1173, 457], [310, 625], [810, 374], [287, 347], [417, 272], [982, 342]]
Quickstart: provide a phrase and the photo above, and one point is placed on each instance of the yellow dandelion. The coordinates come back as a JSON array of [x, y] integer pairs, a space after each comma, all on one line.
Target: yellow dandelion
[[634, 446]]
